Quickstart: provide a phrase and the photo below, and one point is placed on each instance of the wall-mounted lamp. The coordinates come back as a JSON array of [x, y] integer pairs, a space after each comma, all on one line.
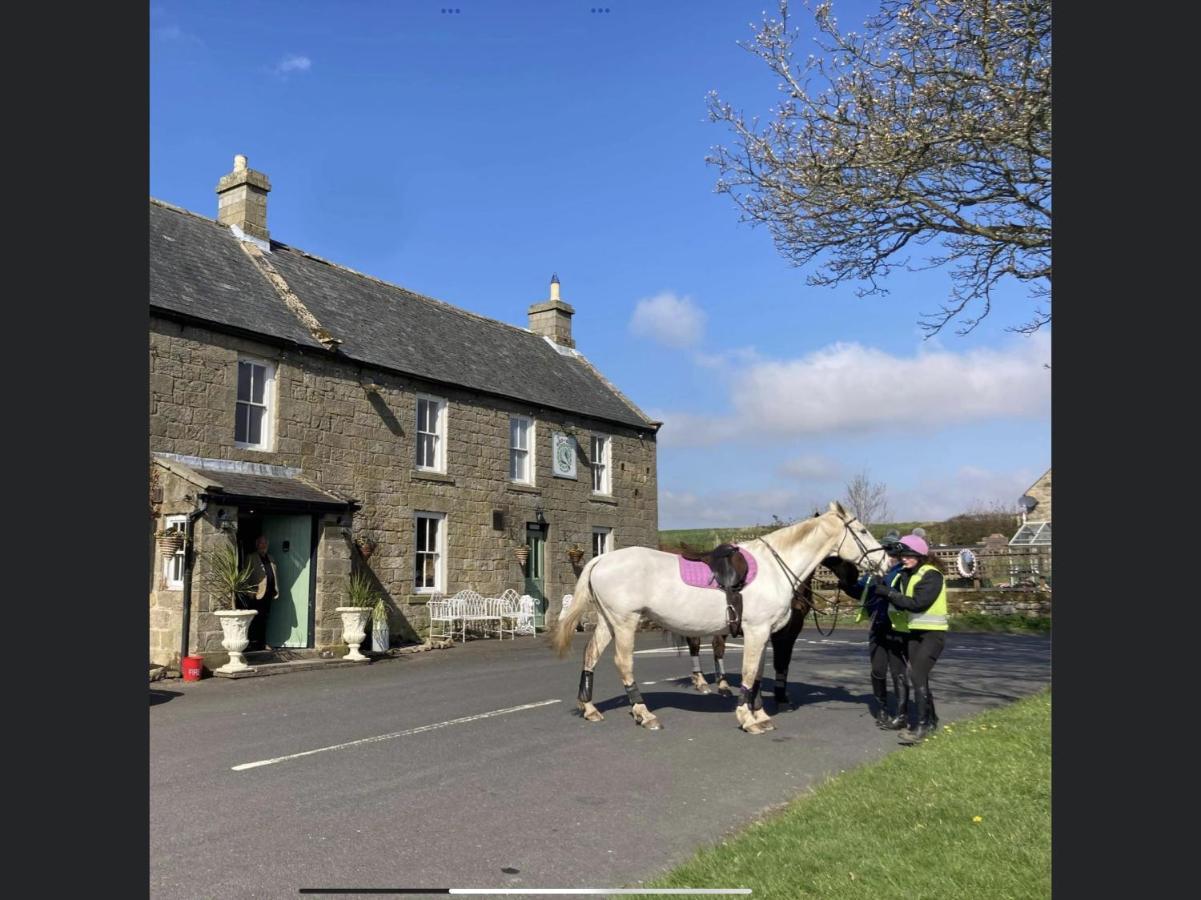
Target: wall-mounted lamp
[[539, 516]]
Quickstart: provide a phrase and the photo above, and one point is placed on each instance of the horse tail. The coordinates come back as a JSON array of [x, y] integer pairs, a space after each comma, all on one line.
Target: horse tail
[[581, 600]]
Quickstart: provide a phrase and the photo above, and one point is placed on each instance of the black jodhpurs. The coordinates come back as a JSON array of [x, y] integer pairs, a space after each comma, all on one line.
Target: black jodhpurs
[[887, 651], [923, 649]]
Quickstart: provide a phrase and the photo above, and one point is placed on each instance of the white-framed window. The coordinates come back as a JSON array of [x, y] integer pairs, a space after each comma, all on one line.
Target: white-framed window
[[431, 433], [521, 449], [601, 453], [430, 553], [602, 540], [252, 417], [173, 564]]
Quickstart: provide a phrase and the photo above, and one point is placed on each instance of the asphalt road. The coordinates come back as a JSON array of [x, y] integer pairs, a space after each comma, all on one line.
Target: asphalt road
[[530, 798]]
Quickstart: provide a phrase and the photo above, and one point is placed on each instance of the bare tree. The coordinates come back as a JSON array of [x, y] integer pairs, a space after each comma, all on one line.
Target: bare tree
[[868, 499], [933, 127]]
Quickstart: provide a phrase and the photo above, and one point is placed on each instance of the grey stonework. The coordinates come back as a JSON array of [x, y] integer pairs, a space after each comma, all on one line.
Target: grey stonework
[[350, 428]]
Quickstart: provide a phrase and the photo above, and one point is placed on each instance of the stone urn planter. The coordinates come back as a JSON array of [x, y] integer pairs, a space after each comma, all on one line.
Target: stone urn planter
[[354, 629], [235, 626]]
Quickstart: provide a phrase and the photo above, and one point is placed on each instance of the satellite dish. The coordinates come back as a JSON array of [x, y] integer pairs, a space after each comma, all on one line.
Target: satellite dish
[[1027, 502], [966, 563]]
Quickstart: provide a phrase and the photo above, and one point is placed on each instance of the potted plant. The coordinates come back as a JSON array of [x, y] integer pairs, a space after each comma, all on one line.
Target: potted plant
[[226, 576], [367, 544], [379, 627], [360, 598], [575, 553], [522, 552], [169, 540]]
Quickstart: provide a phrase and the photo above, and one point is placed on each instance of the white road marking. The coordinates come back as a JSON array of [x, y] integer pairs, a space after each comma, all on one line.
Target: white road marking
[[681, 649], [387, 737]]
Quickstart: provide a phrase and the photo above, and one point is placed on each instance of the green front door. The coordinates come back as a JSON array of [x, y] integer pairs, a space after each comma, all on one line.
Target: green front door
[[291, 546], [535, 573]]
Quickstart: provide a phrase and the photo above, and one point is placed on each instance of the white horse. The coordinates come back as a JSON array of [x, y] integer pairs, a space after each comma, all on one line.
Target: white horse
[[628, 584]]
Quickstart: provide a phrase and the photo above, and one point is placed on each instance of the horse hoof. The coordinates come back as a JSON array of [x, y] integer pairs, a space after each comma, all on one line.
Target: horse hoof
[[723, 688], [702, 687], [652, 724], [594, 716], [753, 728]]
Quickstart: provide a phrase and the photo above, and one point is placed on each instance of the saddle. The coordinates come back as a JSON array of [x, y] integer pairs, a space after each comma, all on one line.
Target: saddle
[[730, 572]]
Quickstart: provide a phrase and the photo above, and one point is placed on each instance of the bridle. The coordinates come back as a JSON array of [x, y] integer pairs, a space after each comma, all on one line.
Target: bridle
[[800, 586]]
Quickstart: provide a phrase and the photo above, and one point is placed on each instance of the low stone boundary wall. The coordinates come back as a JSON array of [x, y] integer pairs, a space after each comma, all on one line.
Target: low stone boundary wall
[[1000, 603]]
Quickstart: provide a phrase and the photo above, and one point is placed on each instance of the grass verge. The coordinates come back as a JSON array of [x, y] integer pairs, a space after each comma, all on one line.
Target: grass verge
[[1014, 624], [966, 814]]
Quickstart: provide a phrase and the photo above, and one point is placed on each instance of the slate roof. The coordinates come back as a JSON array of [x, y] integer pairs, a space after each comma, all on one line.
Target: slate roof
[[198, 269], [239, 479]]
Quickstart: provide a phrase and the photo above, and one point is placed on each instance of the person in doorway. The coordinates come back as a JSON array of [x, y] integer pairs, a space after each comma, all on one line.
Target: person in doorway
[[267, 577], [920, 592]]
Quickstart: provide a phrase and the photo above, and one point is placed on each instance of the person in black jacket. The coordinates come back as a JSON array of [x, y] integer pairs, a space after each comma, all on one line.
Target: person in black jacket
[[920, 590], [886, 645]]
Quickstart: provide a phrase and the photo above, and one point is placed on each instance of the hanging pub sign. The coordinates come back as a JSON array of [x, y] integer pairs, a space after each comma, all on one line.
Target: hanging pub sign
[[563, 454], [966, 563]]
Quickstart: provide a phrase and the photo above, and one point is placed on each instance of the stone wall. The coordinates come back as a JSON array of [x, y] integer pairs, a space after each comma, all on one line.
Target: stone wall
[[358, 441], [997, 603]]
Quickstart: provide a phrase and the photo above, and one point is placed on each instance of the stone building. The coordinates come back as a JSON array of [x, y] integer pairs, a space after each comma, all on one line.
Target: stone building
[[332, 411], [1035, 505]]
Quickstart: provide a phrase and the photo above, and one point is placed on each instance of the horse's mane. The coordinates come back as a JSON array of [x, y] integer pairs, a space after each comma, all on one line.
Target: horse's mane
[[794, 533]]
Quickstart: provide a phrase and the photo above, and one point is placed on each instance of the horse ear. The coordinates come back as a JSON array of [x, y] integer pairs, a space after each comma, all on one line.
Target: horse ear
[[836, 507]]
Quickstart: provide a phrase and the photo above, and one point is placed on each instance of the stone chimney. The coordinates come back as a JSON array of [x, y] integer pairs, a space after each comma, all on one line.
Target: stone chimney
[[242, 200], [552, 318]]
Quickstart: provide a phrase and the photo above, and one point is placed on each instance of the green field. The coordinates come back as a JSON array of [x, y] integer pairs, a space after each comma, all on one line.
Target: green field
[[966, 814]]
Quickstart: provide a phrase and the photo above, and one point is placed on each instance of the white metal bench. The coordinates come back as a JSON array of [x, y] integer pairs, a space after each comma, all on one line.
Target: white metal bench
[[441, 620], [525, 615], [505, 609]]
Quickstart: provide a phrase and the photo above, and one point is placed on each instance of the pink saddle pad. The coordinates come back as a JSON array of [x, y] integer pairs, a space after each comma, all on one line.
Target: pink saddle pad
[[700, 575]]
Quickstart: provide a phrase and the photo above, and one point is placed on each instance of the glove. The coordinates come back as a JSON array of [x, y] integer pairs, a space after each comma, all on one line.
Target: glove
[[881, 589]]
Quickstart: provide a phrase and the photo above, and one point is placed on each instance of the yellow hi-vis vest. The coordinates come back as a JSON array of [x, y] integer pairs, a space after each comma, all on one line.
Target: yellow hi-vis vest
[[934, 618], [896, 616]]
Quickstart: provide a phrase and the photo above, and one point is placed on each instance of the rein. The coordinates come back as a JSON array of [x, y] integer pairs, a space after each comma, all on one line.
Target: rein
[[799, 586]]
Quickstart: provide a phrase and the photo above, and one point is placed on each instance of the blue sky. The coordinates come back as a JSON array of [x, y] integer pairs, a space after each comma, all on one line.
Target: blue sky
[[469, 155]]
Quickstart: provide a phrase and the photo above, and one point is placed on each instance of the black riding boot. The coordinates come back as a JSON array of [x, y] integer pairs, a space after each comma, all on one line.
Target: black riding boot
[[880, 692], [933, 712], [923, 730], [901, 719]]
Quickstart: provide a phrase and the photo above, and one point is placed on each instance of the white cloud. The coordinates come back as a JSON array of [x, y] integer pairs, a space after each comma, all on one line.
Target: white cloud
[[848, 388], [739, 356], [960, 491], [811, 467], [293, 64], [668, 319], [728, 509]]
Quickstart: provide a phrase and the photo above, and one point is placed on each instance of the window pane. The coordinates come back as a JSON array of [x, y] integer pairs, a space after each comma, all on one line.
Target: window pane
[[256, 423], [423, 415], [514, 475], [241, 423], [258, 384], [432, 545], [425, 450], [422, 534], [243, 381], [514, 432]]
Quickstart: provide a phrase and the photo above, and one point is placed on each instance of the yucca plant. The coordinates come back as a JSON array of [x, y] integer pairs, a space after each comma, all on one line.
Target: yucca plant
[[360, 590], [379, 613], [226, 575]]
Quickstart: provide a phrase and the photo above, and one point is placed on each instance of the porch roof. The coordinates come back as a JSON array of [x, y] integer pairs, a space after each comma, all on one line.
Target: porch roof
[[235, 480]]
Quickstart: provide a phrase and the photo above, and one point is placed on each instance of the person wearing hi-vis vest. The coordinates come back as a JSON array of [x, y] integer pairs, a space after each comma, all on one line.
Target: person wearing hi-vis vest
[[920, 594], [885, 645]]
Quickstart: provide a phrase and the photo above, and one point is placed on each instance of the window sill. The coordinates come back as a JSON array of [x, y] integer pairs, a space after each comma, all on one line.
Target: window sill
[[606, 499], [523, 488], [440, 477]]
